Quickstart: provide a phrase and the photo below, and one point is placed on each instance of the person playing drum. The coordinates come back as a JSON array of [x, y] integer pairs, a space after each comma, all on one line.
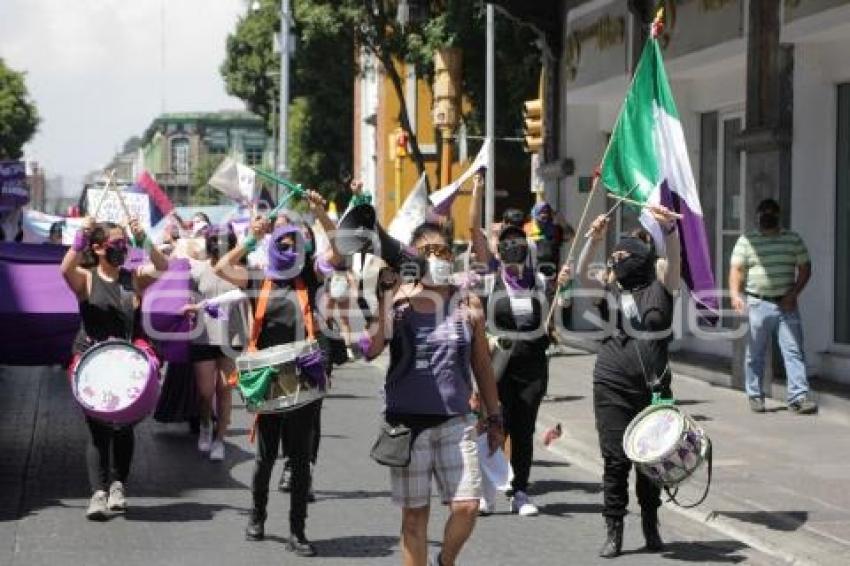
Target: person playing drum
[[287, 274], [632, 362], [109, 295]]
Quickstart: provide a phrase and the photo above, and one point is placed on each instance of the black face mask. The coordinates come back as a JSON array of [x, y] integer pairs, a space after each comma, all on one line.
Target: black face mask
[[638, 269], [116, 256], [513, 251], [768, 220]]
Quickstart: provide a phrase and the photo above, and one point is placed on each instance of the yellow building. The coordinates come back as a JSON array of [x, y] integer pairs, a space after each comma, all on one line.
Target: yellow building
[[376, 123]]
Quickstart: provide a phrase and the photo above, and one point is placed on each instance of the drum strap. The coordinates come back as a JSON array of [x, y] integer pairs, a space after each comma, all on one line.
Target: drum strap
[[675, 491], [260, 314], [306, 309]]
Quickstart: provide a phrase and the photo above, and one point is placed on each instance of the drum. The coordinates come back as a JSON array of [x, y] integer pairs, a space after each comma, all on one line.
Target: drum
[[271, 380], [116, 382], [665, 444]]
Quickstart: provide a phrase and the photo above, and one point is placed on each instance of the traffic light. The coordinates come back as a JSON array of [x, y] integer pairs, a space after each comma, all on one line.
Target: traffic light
[[532, 113]]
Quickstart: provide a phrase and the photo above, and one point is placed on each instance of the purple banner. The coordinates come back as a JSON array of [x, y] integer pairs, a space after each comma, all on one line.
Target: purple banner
[[13, 185], [161, 306]]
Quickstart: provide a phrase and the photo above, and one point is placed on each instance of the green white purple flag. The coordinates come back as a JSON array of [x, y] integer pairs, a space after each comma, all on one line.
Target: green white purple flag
[[647, 161]]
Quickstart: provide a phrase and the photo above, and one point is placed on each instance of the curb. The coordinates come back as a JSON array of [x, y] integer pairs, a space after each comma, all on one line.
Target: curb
[[588, 459]]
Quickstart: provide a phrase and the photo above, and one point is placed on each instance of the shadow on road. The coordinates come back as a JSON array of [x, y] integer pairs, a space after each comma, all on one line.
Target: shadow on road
[[548, 486], [562, 398], [778, 520], [365, 546], [569, 509], [345, 495], [715, 552], [174, 512]]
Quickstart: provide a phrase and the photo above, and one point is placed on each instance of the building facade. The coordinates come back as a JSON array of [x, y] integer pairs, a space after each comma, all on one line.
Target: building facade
[[763, 92], [175, 144]]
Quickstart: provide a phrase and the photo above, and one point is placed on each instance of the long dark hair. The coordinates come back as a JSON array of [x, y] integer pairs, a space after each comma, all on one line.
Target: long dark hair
[[99, 235], [219, 241]]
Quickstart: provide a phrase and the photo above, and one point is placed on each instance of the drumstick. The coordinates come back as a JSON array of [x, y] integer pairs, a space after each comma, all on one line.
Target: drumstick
[[636, 203], [106, 184]]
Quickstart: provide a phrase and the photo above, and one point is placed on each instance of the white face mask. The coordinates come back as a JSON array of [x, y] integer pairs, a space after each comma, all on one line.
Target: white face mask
[[439, 272], [338, 286]]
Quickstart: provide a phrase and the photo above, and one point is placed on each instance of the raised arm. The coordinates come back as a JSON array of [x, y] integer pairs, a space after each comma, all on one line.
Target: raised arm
[[374, 338], [671, 275], [476, 235], [317, 206], [596, 235], [146, 274], [228, 267], [75, 276]]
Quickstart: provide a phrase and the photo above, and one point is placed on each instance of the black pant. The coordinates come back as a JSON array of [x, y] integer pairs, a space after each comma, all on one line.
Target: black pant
[[108, 454], [614, 411], [300, 426], [520, 396], [317, 437]]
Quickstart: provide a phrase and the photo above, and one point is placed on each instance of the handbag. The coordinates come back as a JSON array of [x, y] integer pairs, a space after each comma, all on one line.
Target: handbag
[[393, 445]]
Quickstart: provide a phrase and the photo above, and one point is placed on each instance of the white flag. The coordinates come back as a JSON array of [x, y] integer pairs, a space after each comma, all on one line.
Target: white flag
[[412, 213], [235, 180], [443, 199]]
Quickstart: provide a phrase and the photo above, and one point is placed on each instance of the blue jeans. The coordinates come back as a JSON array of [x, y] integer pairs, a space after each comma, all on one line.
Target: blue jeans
[[765, 319]]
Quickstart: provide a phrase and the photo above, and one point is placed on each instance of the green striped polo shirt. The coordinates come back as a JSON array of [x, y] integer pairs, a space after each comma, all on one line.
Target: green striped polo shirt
[[770, 261]]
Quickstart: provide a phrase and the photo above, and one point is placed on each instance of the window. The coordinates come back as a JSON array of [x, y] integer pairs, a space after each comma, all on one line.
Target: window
[[180, 155], [722, 190], [253, 156], [842, 218]]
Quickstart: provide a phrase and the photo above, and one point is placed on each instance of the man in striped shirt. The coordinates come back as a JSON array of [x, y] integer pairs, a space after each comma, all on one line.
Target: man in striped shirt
[[771, 266]]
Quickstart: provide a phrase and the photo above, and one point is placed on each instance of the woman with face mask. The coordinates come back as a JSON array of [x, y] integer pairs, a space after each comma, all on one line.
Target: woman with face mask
[[632, 363], [436, 335], [289, 271], [109, 296]]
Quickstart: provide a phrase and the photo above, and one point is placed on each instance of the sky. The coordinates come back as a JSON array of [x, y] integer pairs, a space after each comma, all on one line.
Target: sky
[[98, 73]]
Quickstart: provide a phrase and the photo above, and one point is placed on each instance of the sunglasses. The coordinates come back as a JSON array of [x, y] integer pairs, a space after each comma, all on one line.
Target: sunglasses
[[116, 245], [440, 251]]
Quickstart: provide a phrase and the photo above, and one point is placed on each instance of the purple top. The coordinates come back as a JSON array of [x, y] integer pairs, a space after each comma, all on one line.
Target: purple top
[[429, 364]]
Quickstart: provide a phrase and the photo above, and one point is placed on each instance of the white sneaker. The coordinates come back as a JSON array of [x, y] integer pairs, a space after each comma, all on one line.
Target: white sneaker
[[97, 510], [217, 450], [486, 507], [521, 503], [205, 438], [117, 499]]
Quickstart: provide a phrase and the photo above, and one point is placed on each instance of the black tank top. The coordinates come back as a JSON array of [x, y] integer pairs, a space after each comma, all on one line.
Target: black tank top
[[109, 311]]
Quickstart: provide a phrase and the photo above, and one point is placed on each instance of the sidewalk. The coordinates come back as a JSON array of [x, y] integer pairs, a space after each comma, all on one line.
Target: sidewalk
[[781, 481]]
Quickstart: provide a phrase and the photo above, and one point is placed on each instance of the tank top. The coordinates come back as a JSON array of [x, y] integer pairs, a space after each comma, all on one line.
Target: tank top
[[521, 311], [429, 363], [108, 312], [225, 330]]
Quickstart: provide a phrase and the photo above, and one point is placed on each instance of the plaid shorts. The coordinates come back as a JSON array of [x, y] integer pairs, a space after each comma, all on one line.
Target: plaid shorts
[[449, 452]]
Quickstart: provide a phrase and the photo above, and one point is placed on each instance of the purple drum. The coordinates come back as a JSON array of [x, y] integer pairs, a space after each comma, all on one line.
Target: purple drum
[[116, 382]]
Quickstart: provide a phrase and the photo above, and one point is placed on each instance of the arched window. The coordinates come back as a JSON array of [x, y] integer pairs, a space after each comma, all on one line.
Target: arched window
[[180, 155]]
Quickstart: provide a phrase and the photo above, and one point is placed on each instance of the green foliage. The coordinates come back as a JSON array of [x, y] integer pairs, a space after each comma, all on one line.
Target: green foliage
[[321, 82], [18, 115], [200, 193]]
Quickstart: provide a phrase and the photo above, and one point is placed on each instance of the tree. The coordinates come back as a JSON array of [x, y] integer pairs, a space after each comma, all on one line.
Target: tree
[[322, 105], [18, 114], [200, 193]]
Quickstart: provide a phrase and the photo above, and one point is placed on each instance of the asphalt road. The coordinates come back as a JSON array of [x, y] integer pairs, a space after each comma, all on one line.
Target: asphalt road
[[185, 510]]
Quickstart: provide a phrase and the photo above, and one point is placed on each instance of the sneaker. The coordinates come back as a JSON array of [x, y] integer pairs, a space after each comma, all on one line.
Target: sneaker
[[485, 507], [117, 500], [205, 438], [97, 510], [521, 503], [757, 404], [217, 451], [803, 406]]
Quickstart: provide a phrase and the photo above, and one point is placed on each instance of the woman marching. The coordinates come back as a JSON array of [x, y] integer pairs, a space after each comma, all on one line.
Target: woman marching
[[282, 289], [518, 308], [632, 362], [219, 334], [435, 337], [109, 296]]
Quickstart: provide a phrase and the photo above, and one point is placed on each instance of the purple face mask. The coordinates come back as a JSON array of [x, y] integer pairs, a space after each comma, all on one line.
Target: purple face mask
[[283, 259]]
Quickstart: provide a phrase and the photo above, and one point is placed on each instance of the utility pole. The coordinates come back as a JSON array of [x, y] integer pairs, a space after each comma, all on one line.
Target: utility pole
[[283, 155], [490, 123]]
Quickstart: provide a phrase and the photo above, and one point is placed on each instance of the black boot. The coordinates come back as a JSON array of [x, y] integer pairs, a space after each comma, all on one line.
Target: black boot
[[299, 544], [649, 522], [614, 541], [256, 525]]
